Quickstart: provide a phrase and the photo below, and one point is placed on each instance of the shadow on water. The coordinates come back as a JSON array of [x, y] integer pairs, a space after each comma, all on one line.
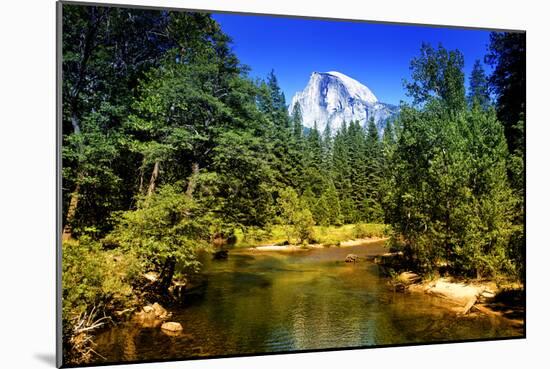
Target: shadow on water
[[272, 302], [510, 303]]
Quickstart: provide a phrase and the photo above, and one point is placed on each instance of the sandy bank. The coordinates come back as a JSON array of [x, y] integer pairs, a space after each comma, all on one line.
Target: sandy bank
[[471, 297], [459, 293], [292, 248]]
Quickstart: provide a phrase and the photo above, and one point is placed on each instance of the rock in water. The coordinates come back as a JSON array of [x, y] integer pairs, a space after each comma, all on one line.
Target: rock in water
[[160, 312], [146, 318], [352, 258], [408, 278], [221, 255], [172, 327], [335, 98]]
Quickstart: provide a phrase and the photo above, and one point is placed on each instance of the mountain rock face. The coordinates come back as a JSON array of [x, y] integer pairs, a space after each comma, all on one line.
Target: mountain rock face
[[334, 98]]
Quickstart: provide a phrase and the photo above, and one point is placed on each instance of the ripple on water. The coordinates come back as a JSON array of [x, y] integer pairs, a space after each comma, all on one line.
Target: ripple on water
[[308, 300]]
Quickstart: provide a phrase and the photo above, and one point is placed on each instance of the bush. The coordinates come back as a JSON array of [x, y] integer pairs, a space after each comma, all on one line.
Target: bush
[[166, 232], [255, 234], [364, 230], [361, 230], [296, 216], [94, 277]]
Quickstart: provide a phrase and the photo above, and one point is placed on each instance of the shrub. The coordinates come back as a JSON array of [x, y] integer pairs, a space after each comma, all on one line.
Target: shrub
[[95, 283], [94, 277], [166, 231], [361, 230], [364, 230], [296, 216]]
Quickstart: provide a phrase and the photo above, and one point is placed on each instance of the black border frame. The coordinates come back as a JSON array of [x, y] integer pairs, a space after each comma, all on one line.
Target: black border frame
[[59, 181]]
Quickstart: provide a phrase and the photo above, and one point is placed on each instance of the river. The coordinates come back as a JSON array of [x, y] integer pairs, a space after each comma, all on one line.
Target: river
[[264, 302]]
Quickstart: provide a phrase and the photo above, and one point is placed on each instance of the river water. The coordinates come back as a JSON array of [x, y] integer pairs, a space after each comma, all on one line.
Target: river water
[[264, 302]]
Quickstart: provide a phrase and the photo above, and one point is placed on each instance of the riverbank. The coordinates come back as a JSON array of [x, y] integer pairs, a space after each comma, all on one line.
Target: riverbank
[[278, 235], [462, 296], [294, 248], [264, 302], [286, 268], [469, 297]]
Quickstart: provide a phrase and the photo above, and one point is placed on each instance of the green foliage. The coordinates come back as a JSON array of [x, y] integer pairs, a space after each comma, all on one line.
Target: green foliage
[[168, 141], [508, 58], [362, 230], [437, 74], [452, 203], [295, 214], [96, 278], [296, 121], [327, 209], [330, 235], [244, 183], [334, 235], [166, 225], [478, 93], [105, 53]]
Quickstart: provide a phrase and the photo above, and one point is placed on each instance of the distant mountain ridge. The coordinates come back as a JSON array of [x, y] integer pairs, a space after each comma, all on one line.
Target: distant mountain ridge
[[335, 98]]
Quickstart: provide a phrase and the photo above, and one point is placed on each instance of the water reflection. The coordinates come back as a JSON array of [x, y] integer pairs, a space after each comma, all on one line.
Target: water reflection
[[274, 302]]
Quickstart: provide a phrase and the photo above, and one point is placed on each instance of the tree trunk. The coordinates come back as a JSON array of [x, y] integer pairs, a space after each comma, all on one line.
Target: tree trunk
[[89, 34], [141, 173], [73, 203], [192, 179], [71, 212], [140, 190], [167, 274], [74, 122], [153, 181]]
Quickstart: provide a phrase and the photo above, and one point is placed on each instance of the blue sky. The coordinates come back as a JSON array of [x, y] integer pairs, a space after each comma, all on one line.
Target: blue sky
[[377, 55]]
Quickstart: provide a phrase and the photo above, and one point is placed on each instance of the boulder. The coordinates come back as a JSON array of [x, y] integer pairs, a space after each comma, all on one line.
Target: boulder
[[459, 293], [221, 255], [352, 258], [160, 312], [223, 238], [151, 276], [408, 278], [146, 319], [172, 327], [177, 290]]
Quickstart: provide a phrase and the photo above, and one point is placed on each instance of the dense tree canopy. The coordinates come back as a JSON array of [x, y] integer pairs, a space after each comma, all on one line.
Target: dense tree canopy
[[452, 203], [508, 58], [167, 144]]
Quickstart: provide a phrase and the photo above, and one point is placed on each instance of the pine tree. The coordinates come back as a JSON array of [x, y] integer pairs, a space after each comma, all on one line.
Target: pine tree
[[342, 173], [387, 184], [373, 173], [286, 151], [479, 87], [508, 58], [296, 121], [452, 202], [327, 149]]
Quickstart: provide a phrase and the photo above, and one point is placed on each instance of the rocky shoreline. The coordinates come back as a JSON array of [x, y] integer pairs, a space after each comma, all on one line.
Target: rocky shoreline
[[466, 297], [154, 316]]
